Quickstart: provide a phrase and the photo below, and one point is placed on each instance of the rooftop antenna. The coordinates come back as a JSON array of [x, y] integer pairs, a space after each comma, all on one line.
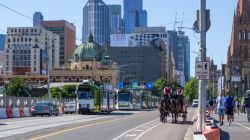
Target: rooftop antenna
[[175, 21]]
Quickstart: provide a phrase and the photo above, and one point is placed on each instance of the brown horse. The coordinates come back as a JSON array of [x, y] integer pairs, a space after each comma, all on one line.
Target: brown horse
[[176, 109], [165, 109]]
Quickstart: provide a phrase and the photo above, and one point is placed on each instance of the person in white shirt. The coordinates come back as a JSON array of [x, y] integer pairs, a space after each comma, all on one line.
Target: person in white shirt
[[221, 106]]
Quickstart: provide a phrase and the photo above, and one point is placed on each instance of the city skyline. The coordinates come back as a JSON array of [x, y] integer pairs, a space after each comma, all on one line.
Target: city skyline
[[161, 14]]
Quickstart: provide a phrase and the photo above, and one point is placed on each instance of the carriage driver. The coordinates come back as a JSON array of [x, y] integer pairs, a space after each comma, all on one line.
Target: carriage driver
[[167, 92], [180, 96]]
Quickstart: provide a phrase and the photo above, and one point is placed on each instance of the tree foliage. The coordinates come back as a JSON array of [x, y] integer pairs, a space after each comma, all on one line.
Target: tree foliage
[[159, 85], [191, 89], [67, 91], [18, 87]]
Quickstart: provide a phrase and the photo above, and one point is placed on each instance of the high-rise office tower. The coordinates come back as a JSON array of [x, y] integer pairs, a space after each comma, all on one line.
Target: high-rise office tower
[[134, 15], [37, 19], [67, 33], [2, 41], [96, 21], [179, 44], [115, 19]]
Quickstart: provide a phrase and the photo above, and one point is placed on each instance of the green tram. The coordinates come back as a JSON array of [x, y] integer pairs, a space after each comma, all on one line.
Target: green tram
[[134, 99], [94, 99]]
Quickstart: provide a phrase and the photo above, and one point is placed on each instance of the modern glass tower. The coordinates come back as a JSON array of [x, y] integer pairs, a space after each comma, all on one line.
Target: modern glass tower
[[134, 15], [96, 21], [2, 41], [115, 19], [37, 19]]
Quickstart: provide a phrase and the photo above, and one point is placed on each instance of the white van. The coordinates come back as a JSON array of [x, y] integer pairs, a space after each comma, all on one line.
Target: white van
[[195, 103]]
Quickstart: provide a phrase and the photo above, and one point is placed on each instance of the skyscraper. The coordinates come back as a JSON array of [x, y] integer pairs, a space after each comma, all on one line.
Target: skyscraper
[[96, 21], [180, 46], [115, 20], [37, 19], [134, 15], [2, 41], [67, 33]]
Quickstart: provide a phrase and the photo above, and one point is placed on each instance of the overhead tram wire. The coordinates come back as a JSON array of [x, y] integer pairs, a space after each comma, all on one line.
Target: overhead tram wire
[[21, 14]]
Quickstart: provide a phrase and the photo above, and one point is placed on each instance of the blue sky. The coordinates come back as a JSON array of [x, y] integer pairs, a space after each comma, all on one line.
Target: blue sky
[[160, 13]]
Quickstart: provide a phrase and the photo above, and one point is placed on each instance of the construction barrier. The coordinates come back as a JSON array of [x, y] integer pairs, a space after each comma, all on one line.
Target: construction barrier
[[16, 113], [9, 112], [26, 112], [3, 114], [21, 112], [213, 134]]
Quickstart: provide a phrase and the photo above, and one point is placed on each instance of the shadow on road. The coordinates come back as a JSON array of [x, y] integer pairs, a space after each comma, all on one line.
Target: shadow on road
[[224, 135]]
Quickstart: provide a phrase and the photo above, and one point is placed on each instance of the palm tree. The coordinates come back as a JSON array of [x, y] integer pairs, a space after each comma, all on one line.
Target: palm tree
[[18, 87]]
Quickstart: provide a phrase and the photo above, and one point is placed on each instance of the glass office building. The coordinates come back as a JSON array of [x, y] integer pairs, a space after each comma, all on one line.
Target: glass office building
[[96, 21], [134, 15], [2, 41]]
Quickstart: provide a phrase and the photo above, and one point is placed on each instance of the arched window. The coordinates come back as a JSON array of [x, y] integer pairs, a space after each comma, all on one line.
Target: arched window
[[87, 67], [75, 67]]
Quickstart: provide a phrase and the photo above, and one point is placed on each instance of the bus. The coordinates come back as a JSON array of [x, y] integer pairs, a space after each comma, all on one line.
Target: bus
[[92, 98], [129, 100]]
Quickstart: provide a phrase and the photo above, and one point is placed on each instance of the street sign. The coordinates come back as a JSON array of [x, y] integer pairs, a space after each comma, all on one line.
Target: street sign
[[202, 70]]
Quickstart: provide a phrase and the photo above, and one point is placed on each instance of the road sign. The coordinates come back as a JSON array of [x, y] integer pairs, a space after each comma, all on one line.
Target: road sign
[[202, 70]]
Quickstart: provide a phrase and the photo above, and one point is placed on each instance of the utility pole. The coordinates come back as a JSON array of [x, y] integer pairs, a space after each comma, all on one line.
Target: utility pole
[[48, 67], [202, 83]]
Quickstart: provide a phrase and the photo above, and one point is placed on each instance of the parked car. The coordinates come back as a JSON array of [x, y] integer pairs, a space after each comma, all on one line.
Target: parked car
[[45, 108], [195, 103], [70, 107]]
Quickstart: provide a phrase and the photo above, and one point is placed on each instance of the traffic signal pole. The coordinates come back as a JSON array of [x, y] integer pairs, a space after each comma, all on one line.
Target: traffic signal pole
[[202, 83]]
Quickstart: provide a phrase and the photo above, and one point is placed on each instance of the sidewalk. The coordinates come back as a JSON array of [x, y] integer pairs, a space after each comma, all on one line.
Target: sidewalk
[[238, 130]]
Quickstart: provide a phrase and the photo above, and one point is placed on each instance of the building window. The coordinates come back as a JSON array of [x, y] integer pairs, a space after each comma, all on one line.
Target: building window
[[34, 62], [87, 67], [34, 56], [34, 69]]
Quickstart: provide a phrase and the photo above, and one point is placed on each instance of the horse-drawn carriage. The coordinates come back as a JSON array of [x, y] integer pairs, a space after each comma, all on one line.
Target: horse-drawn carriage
[[174, 107]]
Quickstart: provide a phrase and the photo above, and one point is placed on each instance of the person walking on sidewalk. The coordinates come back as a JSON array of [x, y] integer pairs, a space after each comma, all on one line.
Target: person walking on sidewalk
[[247, 105], [221, 104], [237, 104], [229, 108]]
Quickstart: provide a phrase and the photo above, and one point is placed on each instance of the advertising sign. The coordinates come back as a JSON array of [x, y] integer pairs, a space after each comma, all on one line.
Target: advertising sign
[[235, 74], [122, 40]]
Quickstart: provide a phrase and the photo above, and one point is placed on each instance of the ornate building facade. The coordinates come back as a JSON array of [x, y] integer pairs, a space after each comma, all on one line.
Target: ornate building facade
[[237, 71]]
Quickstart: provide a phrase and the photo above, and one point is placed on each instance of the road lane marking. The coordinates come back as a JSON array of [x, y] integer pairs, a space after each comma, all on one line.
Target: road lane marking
[[84, 126], [139, 130], [146, 131], [243, 126], [133, 129], [131, 135]]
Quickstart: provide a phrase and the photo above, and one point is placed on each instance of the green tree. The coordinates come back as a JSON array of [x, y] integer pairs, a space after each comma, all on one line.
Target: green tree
[[191, 89], [159, 85], [18, 87], [67, 91]]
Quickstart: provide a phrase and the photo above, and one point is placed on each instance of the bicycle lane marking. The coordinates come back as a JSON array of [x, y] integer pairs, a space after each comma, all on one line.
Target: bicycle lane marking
[[140, 130]]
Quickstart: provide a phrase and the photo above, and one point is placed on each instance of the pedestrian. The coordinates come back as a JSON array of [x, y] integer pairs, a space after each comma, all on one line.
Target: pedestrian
[[211, 106], [247, 105], [243, 106], [237, 104], [229, 108], [221, 104]]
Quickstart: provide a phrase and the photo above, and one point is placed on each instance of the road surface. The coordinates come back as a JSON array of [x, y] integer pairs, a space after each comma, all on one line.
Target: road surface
[[238, 130], [119, 125]]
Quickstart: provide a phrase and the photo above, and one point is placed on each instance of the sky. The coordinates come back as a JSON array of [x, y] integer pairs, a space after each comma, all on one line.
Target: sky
[[160, 13]]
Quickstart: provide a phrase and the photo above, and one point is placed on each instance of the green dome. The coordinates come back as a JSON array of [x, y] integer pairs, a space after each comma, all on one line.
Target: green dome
[[88, 51]]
